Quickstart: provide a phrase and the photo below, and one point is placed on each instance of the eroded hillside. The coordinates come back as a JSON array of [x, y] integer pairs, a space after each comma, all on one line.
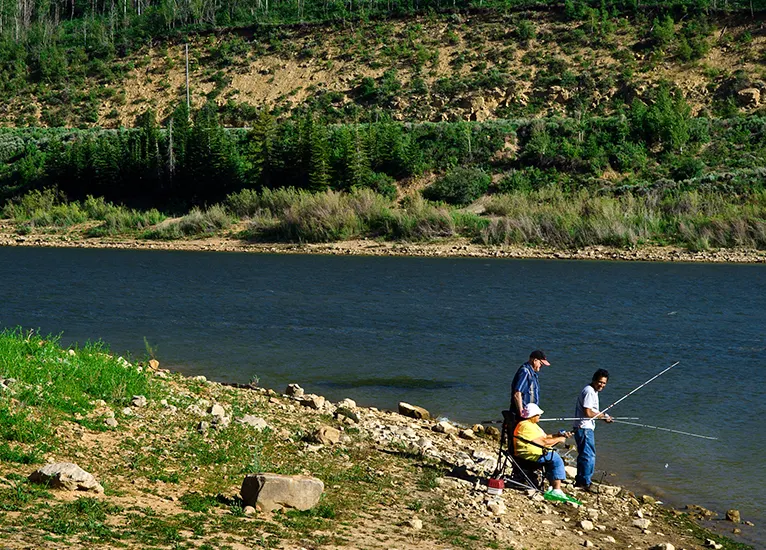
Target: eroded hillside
[[428, 68]]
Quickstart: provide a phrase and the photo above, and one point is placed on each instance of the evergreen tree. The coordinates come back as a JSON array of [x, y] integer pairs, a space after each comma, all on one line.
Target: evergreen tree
[[319, 169]]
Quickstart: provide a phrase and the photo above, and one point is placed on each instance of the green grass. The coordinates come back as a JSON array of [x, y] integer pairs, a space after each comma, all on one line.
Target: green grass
[[67, 380]]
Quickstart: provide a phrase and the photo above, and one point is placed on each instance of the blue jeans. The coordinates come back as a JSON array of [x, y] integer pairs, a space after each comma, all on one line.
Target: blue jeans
[[586, 455], [554, 466]]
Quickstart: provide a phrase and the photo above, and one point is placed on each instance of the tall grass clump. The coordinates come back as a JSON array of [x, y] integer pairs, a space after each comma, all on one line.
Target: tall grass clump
[[67, 380], [196, 223], [692, 219]]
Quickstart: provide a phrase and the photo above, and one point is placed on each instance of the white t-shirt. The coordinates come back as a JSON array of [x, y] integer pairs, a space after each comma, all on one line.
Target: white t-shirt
[[588, 399]]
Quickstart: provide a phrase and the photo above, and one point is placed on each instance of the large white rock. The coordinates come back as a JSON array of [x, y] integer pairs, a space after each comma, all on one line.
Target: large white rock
[[67, 476], [269, 492]]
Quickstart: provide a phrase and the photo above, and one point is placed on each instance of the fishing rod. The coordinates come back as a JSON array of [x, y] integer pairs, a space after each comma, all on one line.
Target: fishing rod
[[586, 418], [561, 419], [665, 429], [635, 390]]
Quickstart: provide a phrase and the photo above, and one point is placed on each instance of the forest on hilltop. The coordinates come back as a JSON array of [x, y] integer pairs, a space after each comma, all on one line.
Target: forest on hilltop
[[447, 102]]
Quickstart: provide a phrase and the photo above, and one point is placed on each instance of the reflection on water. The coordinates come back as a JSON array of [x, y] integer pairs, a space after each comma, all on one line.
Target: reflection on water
[[448, 335]]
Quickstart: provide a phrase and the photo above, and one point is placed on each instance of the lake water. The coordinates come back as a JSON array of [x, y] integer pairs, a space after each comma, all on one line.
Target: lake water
[[448, 334]]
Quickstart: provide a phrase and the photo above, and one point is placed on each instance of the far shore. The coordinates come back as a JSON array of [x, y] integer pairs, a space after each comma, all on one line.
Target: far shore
[[451, 248]]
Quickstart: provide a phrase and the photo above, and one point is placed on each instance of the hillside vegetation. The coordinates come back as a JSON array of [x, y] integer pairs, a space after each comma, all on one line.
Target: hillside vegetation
[[613, 123]]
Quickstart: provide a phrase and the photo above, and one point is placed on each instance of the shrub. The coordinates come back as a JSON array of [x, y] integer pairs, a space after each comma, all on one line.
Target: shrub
[[460, 186]]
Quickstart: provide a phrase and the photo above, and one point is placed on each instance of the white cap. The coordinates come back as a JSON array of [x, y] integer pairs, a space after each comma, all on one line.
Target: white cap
[[531, 410]]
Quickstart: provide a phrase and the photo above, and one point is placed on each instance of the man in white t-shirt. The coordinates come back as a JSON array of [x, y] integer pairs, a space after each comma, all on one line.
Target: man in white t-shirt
[[586, 412]]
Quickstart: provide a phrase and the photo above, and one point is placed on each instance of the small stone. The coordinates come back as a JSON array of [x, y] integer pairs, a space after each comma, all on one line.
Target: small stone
[[646, 499], [154, 364], [111, 422], [587, 544], [663, 546], [127, 411], [496, 506], [733, 516], [416, 524], [253, 421], [203, 427], [216, 410], [641, 523], [710, 543], [346, 404], [445, 427], [467, 434], [610, 538], [72, 352], [294, 390], [586, 525], [248, 510], [139, 401], [327, 435]]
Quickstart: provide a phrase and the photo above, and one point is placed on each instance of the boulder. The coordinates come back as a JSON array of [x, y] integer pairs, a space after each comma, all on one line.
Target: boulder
[[733, 516], [327, 435], [413, 411], [67, 476], [313, 401], [269, 492]]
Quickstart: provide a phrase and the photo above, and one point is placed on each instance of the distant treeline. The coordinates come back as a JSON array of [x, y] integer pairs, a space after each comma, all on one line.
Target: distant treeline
[[194, 160]]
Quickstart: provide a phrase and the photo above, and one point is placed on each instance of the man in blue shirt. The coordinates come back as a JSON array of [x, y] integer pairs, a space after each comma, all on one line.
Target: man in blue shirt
[[525, 388]]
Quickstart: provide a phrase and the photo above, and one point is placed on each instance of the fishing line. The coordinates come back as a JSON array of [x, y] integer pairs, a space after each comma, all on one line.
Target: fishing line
[[664, 429]]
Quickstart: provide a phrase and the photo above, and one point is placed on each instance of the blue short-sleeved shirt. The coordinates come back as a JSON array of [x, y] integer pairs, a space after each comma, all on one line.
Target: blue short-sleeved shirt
[[527, 383]]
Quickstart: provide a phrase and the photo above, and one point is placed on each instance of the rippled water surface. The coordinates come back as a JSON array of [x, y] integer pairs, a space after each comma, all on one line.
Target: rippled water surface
[[448, 334]]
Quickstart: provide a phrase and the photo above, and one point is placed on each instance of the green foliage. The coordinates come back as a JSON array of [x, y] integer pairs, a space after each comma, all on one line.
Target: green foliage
[[665, 122], [62, 380], [460, 186]]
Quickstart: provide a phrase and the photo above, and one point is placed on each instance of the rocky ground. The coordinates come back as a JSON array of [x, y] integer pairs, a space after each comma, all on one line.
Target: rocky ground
[[442, 248], [172, 465]]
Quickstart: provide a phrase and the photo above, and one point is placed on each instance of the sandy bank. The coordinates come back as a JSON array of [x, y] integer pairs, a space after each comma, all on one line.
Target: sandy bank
[[461, 248]]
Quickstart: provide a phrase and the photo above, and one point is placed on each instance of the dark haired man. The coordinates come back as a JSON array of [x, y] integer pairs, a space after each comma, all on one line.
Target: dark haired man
[[525, 388], [586, 412]]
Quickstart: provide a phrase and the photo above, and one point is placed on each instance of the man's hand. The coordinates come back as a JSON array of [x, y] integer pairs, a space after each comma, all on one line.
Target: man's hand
[[608, 419]]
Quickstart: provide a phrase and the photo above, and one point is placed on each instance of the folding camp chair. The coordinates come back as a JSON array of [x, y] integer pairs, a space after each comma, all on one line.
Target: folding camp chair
[[525, 474]]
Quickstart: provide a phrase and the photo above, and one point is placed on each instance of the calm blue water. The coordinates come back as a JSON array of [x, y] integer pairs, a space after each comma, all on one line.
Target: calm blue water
[[448, 334]]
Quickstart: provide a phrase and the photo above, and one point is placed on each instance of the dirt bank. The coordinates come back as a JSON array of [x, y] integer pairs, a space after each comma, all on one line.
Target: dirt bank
[[447, 248]]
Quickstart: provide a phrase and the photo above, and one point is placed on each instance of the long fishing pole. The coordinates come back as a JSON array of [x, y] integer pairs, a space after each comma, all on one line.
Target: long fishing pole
[[635, 390], [586, 418], [664, 429], [561, 419]]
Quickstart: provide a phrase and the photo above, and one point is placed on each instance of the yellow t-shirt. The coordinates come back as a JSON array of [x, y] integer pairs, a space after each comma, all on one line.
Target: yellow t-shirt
[[529, 431]]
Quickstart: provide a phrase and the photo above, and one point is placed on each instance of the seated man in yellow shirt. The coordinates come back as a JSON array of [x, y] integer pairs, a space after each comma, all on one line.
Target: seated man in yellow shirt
[[528, 432]]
